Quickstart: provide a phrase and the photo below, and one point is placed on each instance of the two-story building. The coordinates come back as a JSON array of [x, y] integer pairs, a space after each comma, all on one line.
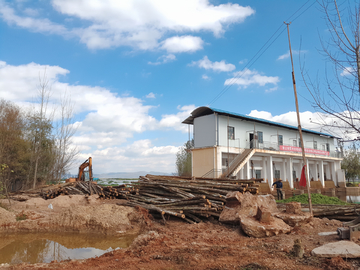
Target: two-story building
[[234, 145]]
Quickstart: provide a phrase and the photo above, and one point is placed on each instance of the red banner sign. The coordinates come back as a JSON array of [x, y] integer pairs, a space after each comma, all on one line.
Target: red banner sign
[[307, 150]]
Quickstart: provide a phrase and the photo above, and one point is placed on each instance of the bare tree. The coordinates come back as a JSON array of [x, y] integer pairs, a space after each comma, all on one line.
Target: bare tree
[[51, 133], [339, 98], [66, 151], [40, 125]]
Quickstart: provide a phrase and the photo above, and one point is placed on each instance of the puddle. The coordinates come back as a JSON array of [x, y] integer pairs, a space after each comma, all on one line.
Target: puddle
[[47, 247]]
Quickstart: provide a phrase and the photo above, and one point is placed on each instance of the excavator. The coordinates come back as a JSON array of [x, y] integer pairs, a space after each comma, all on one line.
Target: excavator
[[82, 167], [81, 176]]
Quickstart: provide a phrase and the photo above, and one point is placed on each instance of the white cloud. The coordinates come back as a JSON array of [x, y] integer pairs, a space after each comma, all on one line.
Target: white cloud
[[150, 95], [31, 12], [106, 122], [215, 66], [310, 120], [138, 156], [347, 71], [287, 55], [272, 89], [179, 44], [37, 25], [138, 24], [205, 77], [249, 77], [174, 120], [164, 59]]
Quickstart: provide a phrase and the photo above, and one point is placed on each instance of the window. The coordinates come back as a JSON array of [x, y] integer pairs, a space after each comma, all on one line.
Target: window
[[258, 174], [328, 147], [231, 133], [323, 147], [277, 174], [315, 144], [260, 137], [294, 143], [280, 139], [225, 162], [299, 143]]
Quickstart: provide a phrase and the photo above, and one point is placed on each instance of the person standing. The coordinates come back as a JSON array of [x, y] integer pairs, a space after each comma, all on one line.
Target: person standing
[[279, 186]]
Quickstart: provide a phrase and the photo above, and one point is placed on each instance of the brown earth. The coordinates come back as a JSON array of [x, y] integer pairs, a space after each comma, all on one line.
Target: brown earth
[[174, 245], [75, 213]]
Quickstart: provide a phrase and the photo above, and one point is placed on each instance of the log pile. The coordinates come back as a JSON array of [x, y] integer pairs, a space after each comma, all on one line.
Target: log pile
[[87, 188], [339, 212], [186, 198]]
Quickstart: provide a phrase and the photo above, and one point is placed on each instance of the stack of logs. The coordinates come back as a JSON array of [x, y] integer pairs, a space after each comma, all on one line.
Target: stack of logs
[[331, 211], [187, 198], [88, 188]]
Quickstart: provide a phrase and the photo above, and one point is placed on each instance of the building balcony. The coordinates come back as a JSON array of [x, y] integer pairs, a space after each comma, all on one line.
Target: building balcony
[[272, 146]]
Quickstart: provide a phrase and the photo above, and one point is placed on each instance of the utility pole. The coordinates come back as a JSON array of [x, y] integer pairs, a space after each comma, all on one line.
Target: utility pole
[[299, 124]]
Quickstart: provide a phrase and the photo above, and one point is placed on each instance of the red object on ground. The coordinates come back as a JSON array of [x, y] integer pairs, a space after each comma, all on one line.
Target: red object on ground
[[303, 177]]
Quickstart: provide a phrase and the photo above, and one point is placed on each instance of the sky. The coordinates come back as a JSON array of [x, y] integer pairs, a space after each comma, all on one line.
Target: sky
[[135, 69]]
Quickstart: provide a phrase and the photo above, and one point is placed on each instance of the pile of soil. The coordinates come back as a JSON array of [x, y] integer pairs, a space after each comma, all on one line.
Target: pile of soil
[[70, 214], [210, 245], [174, 245]]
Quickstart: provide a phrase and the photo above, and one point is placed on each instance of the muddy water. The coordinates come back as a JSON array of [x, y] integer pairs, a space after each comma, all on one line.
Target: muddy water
[[37, 248]]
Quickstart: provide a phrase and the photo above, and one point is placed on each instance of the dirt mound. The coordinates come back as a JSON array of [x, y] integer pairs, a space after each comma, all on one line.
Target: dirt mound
[[144, 239], [6, 217], [75, 213], [106, 218]]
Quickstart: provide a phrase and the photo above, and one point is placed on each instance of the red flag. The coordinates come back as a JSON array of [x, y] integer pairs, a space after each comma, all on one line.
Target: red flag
[[303, 177]]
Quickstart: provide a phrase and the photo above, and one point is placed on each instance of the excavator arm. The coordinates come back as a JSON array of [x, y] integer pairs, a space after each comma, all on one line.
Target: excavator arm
[[82, 167]]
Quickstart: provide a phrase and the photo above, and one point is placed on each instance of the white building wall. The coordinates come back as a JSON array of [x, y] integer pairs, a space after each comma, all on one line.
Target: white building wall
[[243, 129], [205, 131]]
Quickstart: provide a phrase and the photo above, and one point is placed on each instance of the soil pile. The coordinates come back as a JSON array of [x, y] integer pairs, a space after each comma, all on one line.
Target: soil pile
[[6, 217], [106, 218], [74, 213]]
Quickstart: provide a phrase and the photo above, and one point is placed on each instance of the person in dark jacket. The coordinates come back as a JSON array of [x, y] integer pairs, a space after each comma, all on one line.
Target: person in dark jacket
[[279, 186]]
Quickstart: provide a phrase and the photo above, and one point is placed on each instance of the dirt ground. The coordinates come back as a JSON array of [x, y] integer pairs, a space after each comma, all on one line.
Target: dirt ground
[[179, 245]]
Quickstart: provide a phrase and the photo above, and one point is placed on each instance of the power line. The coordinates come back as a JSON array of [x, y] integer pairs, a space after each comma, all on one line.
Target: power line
[[260, 52]]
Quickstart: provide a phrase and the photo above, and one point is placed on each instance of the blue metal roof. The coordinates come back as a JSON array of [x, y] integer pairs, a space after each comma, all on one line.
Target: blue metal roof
[[201, 111]]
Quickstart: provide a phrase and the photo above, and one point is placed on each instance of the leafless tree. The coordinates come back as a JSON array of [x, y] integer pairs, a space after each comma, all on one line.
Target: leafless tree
[[51, 132], [338, 99], [66, 151]]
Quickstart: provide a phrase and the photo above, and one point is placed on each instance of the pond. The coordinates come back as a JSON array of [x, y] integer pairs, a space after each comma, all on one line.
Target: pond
[[47, 247]]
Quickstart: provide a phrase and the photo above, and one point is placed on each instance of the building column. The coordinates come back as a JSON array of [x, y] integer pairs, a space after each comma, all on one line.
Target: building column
[[307, 172], [283, 172], [316, 171], [289, 172], [321, 172], [333, 175], [242, 173], [270, 171], [247, 170], [263, 172]]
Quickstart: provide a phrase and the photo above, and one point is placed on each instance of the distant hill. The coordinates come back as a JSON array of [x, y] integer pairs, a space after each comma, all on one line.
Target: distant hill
[[127, 174]]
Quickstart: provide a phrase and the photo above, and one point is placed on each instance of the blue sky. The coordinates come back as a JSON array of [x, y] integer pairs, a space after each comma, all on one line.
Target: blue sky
[[135, 70]]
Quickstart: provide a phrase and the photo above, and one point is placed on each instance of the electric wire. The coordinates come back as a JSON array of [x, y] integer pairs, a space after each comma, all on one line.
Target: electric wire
[[260, 52]]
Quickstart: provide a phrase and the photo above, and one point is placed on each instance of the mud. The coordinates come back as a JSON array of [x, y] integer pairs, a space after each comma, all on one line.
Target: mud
[[178, 245]]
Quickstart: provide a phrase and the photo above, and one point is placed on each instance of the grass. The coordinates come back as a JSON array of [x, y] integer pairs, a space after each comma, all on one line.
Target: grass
[[21, 217], [315, 199]]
